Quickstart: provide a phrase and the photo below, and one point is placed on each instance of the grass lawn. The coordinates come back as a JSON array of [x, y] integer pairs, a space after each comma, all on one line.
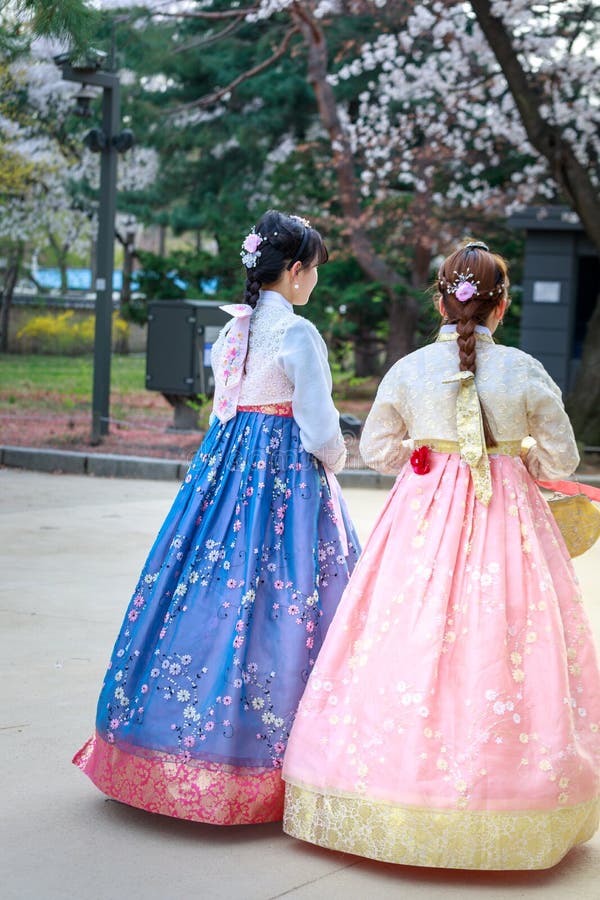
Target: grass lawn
[[62, 384], [65, 381], [45, 401]]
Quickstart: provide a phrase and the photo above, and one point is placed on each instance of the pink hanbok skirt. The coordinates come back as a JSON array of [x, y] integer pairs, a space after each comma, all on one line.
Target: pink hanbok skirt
[[453, 716]]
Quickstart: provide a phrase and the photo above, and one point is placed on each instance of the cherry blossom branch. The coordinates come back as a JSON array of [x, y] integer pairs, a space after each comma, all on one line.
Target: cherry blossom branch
[[588, 11], [569, 173], [403, 309]]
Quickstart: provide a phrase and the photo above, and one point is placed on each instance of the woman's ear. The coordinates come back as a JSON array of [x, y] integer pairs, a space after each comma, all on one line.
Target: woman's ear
[[440, 306], [501, 309]]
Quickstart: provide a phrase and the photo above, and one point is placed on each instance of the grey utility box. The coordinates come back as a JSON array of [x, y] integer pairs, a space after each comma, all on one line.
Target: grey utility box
[[561, 283], [180, 337]]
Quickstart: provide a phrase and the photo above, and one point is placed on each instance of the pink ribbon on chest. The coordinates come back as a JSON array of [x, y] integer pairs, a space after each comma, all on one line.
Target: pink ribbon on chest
[[230, 368]]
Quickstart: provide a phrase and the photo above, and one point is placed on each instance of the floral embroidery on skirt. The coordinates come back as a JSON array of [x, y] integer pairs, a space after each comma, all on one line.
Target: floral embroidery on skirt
[[223, 630], [453, 715]]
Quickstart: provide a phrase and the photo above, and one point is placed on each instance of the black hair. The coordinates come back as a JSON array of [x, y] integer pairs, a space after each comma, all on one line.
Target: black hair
[[286, 240]]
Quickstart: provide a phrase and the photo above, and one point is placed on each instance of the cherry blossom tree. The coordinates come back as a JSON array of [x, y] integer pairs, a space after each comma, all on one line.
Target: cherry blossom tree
[[395, 186], [450, 112], [48, 200], [506, 78], [482, 84], [555, 83]]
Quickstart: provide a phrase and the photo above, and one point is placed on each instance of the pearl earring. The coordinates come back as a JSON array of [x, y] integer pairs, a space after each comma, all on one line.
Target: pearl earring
[[296, 286]]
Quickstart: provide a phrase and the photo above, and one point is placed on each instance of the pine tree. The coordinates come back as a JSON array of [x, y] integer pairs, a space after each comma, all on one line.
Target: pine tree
[[71, 21]]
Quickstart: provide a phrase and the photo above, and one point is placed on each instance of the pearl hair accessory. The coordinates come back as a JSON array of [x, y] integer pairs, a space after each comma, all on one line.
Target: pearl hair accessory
[[464, 287], [302, 220]]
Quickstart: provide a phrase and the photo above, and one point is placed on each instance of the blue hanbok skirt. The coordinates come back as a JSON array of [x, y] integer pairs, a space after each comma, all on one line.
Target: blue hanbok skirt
[[223, 629]]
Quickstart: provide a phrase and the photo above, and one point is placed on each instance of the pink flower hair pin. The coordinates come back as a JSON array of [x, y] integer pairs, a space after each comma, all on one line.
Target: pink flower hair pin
[[250, 252], [464, 287]]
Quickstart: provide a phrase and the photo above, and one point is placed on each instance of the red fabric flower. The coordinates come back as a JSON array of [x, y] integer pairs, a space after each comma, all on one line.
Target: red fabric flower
[[419, 460]]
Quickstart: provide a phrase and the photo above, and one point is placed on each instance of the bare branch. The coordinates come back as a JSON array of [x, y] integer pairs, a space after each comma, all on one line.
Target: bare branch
[[586, 14], [225, 14], [209, 39], [250, 73]]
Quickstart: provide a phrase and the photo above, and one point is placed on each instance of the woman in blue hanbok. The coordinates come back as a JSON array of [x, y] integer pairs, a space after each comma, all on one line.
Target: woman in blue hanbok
[[246, 573]]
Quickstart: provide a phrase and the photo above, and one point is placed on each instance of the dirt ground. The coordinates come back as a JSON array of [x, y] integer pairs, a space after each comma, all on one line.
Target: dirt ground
[[143, 430], [142, 425]]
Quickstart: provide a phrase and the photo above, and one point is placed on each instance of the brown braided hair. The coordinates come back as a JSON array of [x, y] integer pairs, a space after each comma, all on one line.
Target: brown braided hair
[[252, 289], [488, 273]]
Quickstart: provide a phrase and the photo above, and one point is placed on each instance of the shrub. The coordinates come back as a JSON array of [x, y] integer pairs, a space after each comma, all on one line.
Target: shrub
[[64, 333]]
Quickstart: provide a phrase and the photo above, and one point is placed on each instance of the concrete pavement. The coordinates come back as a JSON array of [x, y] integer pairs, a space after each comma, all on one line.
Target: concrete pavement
[[70, 550]]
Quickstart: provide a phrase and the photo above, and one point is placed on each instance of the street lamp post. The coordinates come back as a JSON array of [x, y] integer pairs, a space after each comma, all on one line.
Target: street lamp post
[[108, 142]]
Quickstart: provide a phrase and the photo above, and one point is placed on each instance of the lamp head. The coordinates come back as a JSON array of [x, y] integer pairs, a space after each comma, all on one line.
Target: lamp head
[[95, 140], [83, 99], [124, 140], [89, 61]]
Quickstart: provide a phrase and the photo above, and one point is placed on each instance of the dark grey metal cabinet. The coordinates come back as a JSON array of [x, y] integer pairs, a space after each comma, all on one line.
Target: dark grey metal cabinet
[[561, 283], [180, 337]]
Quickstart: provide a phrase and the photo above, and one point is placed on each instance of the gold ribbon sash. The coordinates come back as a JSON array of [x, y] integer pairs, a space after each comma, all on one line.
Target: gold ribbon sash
[[471, 438], [469, 426]]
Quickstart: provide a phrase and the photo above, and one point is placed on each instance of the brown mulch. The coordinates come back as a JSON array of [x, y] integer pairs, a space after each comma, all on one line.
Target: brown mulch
[[62, 431], [134, 435], [147, 434]]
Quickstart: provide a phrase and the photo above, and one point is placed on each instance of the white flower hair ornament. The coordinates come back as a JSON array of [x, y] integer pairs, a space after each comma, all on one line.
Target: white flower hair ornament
[[250, 253], [464, 287]]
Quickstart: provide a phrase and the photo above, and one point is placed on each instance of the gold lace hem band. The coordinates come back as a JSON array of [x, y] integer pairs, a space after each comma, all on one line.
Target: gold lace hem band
[[440, 838]]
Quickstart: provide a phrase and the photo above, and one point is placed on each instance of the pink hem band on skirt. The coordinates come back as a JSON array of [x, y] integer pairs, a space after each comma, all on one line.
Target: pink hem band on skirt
[[183, 788]]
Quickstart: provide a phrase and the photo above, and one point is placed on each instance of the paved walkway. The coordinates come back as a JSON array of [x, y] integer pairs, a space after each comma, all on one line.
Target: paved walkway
[[70, 549]]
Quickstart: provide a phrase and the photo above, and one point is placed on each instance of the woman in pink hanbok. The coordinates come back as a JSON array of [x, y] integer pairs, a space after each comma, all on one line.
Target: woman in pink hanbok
[[453, 715]]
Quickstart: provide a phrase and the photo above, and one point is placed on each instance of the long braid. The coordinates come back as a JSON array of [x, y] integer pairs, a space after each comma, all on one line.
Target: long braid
[[467, 350], [252, 289], [467, 344], [488, 272]]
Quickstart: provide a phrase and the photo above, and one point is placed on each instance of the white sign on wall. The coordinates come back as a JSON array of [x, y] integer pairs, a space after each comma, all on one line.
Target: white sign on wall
[[546, 291]]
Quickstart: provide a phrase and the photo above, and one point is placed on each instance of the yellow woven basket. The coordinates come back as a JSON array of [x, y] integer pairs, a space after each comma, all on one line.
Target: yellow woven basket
[[579, 521]]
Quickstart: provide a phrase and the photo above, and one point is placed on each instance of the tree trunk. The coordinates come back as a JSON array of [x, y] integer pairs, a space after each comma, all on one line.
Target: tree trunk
[[64, 283], [367, 350], [573, 177], [403, 324], [403, 310], [10, 279], [578, 188], [583, 403], [61, 251]]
